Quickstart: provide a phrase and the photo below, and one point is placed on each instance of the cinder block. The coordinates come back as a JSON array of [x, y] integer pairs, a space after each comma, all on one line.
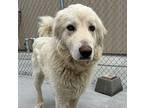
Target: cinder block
[[108, 86]]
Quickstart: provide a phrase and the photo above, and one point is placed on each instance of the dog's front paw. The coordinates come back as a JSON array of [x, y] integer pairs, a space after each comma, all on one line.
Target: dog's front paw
[[39, 105]]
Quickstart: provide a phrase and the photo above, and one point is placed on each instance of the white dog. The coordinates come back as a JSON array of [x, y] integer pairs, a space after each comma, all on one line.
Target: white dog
[[66, 58]]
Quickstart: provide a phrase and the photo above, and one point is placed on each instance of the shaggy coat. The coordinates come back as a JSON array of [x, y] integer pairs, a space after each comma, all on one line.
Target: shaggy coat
[[57, 58]]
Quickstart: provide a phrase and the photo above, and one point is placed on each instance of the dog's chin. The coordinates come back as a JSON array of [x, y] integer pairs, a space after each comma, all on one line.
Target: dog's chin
[[83, 61]]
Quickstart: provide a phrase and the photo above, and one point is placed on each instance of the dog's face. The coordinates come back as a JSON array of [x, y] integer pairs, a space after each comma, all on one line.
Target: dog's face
[[81, 31]]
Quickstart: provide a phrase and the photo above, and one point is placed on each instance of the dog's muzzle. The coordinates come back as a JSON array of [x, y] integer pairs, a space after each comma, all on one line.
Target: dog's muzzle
[[85, 52]]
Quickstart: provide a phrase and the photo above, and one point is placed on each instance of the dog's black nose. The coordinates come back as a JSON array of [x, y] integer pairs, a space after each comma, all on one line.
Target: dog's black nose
[[85, 51]]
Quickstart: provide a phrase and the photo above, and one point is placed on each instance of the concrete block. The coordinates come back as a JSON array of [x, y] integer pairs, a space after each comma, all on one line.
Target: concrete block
[[108, 86]]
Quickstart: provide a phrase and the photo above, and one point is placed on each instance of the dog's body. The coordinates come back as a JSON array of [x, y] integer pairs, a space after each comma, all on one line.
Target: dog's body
[[66, 58]]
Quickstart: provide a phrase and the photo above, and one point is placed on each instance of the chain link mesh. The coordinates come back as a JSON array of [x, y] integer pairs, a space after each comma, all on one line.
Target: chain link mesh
[[114, 16]]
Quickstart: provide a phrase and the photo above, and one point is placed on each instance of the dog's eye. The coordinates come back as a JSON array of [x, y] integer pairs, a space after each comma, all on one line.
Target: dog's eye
[[92, 28], [71, 28]]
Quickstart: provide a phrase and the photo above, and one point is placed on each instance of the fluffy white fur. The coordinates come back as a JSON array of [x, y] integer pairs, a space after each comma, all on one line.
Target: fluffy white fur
[[56, 58], [45, 24]]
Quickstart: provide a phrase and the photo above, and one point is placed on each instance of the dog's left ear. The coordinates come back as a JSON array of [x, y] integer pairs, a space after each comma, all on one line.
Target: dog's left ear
[[100, 32]]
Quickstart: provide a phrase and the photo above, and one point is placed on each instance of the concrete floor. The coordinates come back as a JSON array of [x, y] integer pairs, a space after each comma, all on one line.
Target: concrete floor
[[90, 99]]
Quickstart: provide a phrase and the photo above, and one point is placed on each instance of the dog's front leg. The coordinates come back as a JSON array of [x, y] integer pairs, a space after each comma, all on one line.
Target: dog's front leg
[[73, 103], [66, 104], [38, 80]]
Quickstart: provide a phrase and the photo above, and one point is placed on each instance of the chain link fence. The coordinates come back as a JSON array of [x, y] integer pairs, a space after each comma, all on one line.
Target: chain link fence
[[114, 16]]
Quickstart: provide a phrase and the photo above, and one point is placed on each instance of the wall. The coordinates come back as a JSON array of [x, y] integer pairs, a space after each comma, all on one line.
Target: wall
[[112, 12]]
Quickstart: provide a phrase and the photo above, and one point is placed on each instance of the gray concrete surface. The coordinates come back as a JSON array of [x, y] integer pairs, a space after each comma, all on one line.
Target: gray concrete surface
[[90, 99]]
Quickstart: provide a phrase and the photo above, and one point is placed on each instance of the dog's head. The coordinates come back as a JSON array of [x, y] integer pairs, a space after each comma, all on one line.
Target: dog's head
[[81, 32]]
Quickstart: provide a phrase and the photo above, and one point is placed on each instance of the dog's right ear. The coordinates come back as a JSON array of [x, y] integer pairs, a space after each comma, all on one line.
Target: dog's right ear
[[58, 26], [57, 29]]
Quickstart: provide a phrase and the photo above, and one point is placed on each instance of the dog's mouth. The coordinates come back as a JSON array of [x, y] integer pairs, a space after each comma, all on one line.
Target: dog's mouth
[[85, 58], [84, 61]]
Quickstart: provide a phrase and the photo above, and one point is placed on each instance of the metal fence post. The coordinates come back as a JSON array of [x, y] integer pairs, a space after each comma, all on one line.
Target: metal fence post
[[27, 44], [61, 4]]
